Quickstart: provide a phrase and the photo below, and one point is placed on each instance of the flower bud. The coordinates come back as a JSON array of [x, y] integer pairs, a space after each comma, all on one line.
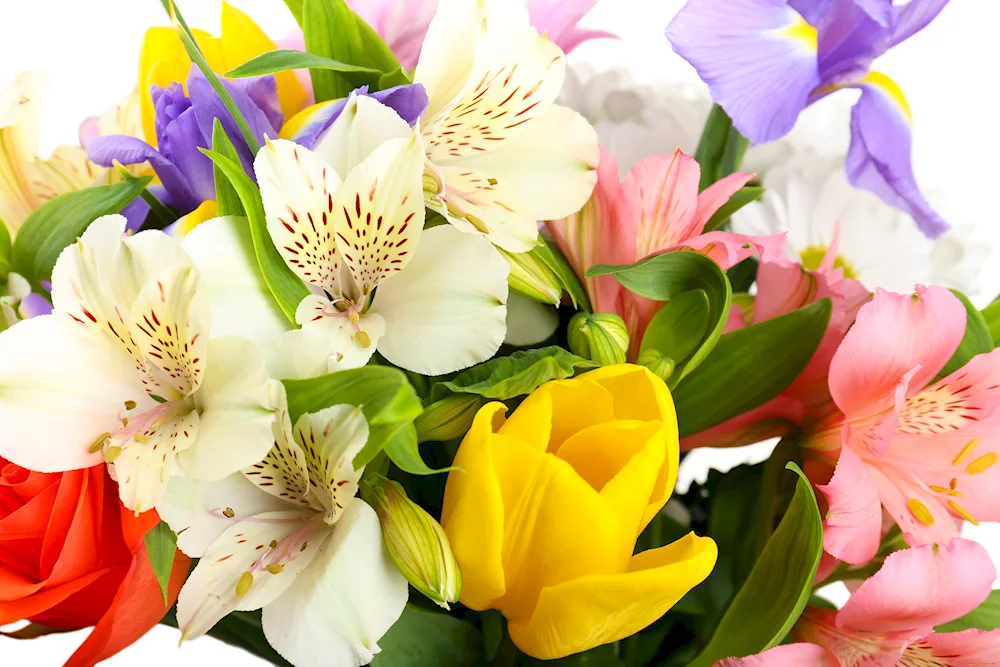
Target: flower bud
[[415, 541], [532, 277], [600, 337], [449, 418], [657, 362]]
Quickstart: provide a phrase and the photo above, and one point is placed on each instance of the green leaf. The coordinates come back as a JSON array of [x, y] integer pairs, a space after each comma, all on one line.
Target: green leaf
[[284, 60], [59, 222], [287, 288], [5, 251], [161, 545], [198, 58], [977, 339], [750, 367], [397, 77], [383, 393], [160, 215], [225, 194], [984, 617], [295, 7], [335, 32], [521, 373], [720, 149], [674, 333], [562, 269], [422, 638], [991, 314], [664, 277], [403, 449], [448, 419], [744, 196], [783, 576]]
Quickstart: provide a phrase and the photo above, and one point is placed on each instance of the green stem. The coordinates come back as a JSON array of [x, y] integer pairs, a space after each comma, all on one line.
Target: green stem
[[507, 654]]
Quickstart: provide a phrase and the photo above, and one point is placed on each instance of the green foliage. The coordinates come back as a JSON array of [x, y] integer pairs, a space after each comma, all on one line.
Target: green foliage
[[984, 617], [991, 315], [161, 545], [744, 196], [558, 265], [284, 60], [423, 638], [978, 338], [749, 367], [675, 333], [59, 222], [720, 149], [5, 251], [226, 196]]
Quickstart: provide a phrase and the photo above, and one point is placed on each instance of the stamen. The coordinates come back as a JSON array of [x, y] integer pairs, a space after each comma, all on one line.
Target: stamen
[[112, 454], [275, 568], [920, 512], [305, 545], [953, 483], [274, 544], [938, 489], [130, 405], [363, 339], [961, 511], [141, 438], [982, 464], [244, 584], [228, 513], [98, 444], [964, 454]]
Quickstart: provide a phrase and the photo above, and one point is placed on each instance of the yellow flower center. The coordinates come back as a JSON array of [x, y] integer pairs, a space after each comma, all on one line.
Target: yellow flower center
[[813, 256]]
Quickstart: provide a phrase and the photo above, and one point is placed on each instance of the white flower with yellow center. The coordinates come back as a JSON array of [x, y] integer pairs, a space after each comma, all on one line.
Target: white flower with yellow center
[[502, 156], [124, 371], [289, 536], [348, 219]]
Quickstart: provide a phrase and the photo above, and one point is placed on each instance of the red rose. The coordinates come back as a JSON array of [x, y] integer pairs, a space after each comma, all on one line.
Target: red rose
[[71, 556]]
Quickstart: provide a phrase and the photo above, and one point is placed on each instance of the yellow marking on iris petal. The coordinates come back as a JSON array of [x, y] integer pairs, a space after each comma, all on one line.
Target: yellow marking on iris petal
[[961, 511], [296, 123], [891, 89], [982, 464], [803, 33], [964, 454], [920, 512]]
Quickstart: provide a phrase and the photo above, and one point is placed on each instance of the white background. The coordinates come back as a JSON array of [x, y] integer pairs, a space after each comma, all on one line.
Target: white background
[[89, 50]]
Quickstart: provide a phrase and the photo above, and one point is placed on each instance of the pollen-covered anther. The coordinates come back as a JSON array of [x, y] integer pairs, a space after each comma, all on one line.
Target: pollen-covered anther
[[244, 584], [141, 438], [982, 464], [273, 544], [363, 339], [920, 512], [99, 443], [962, 512], [112, 454], [228, 513], [966, 451], [275, 568], [130, 405]]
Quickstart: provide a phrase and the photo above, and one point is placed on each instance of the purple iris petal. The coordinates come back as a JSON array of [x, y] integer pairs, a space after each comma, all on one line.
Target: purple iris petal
[[879, 159], [409, 101], [811, 10], [758, 68], [852, 34], [263, 92], [33, 305], [135, 213], [913, 17], [129, 150], [184, 137]]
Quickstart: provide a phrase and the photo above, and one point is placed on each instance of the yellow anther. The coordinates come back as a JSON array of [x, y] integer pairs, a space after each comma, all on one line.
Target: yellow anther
[[130, 405], [244, 584], [305, 545], [479, 225], [275, 568], [98, 444], [961, 511], [141, 438], [363, 339], [964, 454], [953, 483], [274, 544], [112, 454], [939, 489], [228, 513], [492, 181], [920, 512], [982, 464], [124, 421]]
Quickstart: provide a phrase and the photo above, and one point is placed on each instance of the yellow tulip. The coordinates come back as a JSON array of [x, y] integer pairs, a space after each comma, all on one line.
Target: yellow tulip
[[164, 61], [545, 507]]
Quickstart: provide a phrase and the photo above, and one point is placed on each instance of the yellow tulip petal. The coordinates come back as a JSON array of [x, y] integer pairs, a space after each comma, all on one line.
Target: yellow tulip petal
[[599, 452], [587, 612], [575, 405], [473, 515], [556, 528], [242, 41], [531, 422]]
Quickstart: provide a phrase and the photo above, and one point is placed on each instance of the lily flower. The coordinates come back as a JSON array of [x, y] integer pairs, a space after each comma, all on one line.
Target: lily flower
[[492, 132], [656, 209], [767, 60], [124, 371], [403, 24], [348, 220], [890, 618], [924, 450], [290, 536]]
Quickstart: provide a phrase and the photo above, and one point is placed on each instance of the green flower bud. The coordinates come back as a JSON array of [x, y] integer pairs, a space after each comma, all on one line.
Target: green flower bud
[[657, 362], [532, 277], [449, 418], [415, 541], [600, 337]]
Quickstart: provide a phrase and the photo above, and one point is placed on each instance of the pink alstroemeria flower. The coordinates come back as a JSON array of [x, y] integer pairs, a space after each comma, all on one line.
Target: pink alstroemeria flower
[[782, 288], [403, 23], [925, 452], [657, 209], [890, 619]]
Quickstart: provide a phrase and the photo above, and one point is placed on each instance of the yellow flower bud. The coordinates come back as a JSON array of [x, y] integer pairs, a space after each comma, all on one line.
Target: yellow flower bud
[[544, 508], [531, 277], [449, 418], [416, 542], [600, 337]]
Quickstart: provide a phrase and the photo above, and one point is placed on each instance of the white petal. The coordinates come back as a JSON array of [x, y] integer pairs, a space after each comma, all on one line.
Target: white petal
[[283, 472], [528, 321], [331, 438], [363, 125], [449, 52], [61, 386], [447, 310], [236, 402], [302, 354], [313, 313], [299, 191], [335, 613], [211, 591], [143, 468], [241, 301], [197, 511]]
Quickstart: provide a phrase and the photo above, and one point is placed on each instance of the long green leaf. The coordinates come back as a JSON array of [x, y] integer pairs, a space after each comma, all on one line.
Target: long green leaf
[[778, 588], [665, 276], [562, 269], [991, 315], [977, 339], [750, 367], [335, 32], [225, 194], [422, 638], [720, 149], [60, 222], [5, 251], [984, 617], [284, 60], [161, 546], [744, 196], [675, 333], [287, 288], [160, 215]]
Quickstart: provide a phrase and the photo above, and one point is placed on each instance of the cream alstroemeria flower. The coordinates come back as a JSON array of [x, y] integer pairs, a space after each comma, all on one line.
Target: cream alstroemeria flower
[[124, 371], [348, 220], [502, 155], [290, 536]]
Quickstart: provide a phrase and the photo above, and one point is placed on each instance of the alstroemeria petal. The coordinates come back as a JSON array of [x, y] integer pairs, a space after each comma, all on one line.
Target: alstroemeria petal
[[853, 525], [790, 655], [283, 472], [331, 438], [447, 310], [558, 19], [143, 468], [727, 249], [664, 191], [958, 649], [921, 587], [339, 608], [363, 125], [344, 346], [758, 58]]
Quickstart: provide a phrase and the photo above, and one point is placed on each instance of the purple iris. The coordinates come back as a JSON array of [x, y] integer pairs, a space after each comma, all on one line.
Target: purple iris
[[767, 60]]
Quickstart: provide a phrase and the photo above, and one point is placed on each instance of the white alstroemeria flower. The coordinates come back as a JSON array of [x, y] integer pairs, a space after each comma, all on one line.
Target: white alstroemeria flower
[[290, 536], [502, 155], [348, 220], [124, 371]]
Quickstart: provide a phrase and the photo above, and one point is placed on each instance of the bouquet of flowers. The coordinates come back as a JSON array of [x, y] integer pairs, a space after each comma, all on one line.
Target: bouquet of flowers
[[361, 349]]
